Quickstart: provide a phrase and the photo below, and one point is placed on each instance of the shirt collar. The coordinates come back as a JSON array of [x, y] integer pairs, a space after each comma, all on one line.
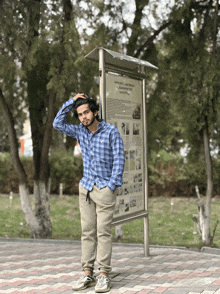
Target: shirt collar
[[101, 125]]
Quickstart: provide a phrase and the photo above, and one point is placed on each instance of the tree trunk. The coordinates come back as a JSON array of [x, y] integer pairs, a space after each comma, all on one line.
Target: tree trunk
[[32, 221], [42, 208], [39, 100], [204, 224], [42, 201], [42, 135], [30, 218], [206, 238]]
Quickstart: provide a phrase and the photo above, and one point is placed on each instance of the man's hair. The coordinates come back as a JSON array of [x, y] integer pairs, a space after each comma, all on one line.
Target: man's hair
[[93, 106]]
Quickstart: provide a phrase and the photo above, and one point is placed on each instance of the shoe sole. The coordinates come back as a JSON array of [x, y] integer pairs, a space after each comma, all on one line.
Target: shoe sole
[[85, 287], [103, 290]]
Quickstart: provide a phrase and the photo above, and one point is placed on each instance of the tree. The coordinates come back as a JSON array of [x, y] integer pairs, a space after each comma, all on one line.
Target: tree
[[45, 58], [25, 200], [191, 75]]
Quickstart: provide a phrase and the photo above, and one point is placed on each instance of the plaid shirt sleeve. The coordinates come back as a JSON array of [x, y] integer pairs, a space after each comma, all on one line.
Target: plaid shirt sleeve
[[60, 124], [118, 161]]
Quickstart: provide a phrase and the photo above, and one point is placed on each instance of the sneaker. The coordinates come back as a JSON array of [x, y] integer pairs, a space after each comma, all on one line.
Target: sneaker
[[103, 284], [84, 282]]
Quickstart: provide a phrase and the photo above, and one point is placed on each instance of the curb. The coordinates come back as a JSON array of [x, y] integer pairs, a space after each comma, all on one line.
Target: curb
[[207, 250], [210, 250], [51, 241]]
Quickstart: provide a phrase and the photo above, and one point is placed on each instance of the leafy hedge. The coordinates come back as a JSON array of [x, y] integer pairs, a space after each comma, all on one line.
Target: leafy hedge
[[172, 175], [169, 175], [64, 168], [8, 177]]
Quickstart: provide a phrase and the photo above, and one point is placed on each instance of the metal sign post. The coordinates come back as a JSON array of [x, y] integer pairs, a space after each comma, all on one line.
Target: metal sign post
[[102, 83], [146, 219], [122, 94]]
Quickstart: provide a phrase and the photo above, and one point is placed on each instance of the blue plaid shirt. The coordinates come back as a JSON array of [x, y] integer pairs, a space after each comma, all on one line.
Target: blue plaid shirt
[[102, 152]]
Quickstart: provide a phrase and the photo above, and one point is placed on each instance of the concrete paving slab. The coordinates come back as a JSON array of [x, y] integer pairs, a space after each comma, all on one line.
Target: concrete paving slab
[[50, 266]]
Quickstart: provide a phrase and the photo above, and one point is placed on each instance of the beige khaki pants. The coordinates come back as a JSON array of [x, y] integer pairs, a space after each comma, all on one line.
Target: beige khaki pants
[[96, 219]]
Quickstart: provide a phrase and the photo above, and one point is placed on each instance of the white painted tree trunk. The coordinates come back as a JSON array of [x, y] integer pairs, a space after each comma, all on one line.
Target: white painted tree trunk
[[30, 218], [205, 208], [205, 212], [119, 232], [204, 225], [39, 220]]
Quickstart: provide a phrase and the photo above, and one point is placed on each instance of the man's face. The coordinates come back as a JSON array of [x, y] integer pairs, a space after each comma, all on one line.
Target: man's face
[[86, 116]]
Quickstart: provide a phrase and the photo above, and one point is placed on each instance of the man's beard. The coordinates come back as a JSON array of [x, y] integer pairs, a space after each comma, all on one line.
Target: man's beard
[[90, 122]]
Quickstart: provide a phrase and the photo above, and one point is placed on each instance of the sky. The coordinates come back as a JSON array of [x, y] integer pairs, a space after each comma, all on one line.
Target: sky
[[159, 9]]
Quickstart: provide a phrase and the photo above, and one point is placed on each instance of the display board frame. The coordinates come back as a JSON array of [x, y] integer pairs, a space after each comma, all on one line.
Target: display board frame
[[119, 67]]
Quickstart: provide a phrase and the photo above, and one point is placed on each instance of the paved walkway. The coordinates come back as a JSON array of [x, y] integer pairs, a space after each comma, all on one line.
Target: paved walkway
[[40, 266]]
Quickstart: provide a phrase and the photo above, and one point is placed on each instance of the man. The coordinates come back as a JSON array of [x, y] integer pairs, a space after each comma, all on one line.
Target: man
[[103, 166]]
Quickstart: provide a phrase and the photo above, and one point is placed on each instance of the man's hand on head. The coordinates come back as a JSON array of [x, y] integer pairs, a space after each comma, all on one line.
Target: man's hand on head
[[79, 95]]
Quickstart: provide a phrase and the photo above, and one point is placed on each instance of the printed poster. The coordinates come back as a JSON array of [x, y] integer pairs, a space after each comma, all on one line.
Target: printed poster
[[124, 110]]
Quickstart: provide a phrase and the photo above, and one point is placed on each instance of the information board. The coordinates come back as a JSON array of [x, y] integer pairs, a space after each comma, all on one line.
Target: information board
[[124, 110], [122, 94]]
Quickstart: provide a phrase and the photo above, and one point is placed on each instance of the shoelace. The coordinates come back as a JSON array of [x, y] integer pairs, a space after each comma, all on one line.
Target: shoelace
[[103, 277]]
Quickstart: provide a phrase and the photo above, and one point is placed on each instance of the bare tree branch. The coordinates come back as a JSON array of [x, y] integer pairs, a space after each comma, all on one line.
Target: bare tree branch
[[150, 40]]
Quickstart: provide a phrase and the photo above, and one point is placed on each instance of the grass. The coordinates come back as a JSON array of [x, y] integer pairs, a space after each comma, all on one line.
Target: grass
[[166, 227]]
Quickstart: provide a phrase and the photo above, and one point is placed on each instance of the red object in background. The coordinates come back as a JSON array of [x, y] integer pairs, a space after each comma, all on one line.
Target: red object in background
[[21, 145]]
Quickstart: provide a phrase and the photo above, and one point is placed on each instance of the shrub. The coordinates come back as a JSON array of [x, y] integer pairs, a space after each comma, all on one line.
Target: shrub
[[66, 169], [8, 177], [169, 175]]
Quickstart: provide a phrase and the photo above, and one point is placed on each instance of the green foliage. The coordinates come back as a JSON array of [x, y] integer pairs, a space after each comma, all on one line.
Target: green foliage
[[169, 175], [8, 178], [190, 69], [195, 173], [11, 78], [165, 167], [165, 128], [172, 175], [66, 169]]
